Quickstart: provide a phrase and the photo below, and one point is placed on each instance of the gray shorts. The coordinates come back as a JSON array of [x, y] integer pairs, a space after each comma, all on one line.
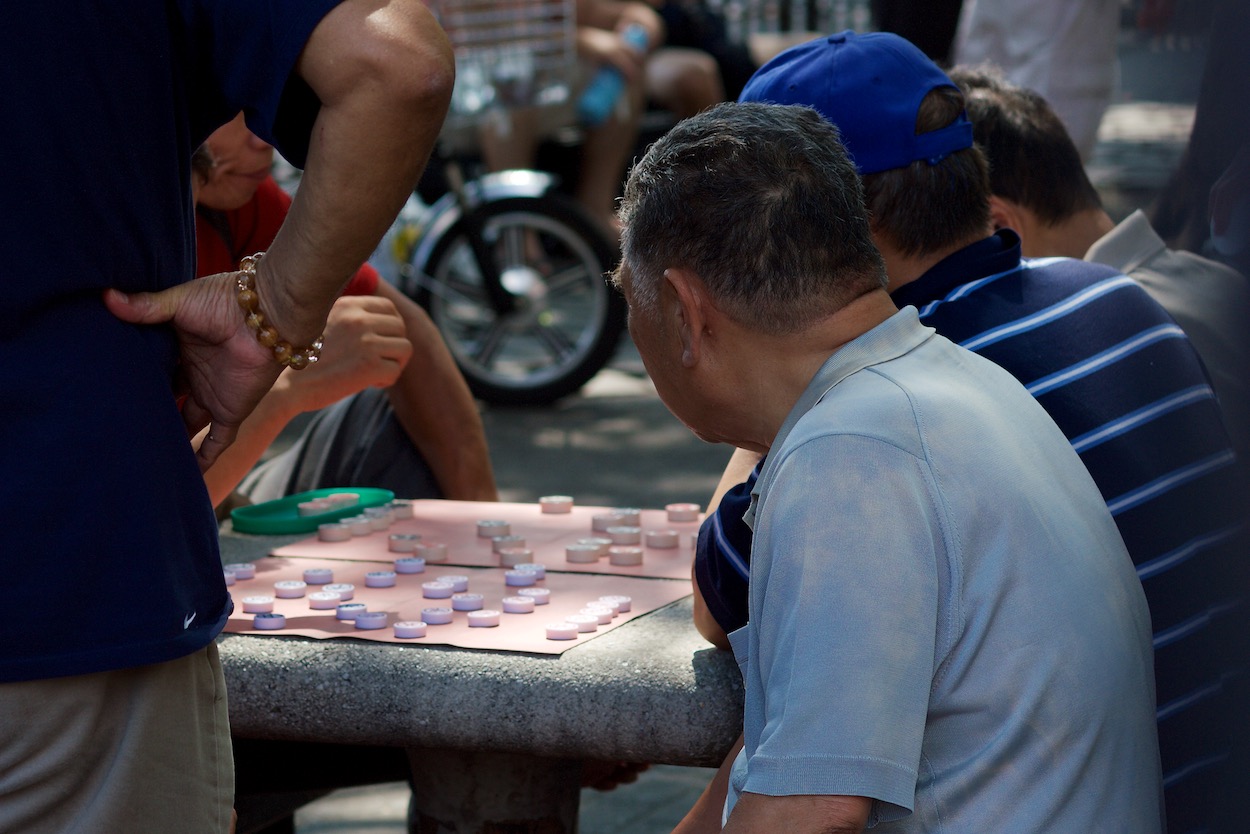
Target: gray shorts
[[142, 749], [357, 441]]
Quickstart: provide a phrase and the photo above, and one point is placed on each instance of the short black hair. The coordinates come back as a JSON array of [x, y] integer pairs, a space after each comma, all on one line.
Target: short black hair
[[1033, 161], [763, 204]]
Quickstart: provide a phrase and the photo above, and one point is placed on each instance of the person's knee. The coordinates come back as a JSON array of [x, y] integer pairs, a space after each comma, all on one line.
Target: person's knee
[[511, 139], [684, 81]]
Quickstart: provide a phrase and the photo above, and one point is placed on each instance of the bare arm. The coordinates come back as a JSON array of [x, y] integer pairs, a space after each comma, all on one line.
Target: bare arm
[[615, 15], [755, 812], [433, 404], [705, 816], [740, 464], [799, 814], [255, 435], [382, 70], [383, 73], [366, 346], [704, 622]]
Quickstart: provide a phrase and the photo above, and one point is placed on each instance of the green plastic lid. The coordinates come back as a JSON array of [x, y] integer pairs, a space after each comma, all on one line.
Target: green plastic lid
[[282, 515]]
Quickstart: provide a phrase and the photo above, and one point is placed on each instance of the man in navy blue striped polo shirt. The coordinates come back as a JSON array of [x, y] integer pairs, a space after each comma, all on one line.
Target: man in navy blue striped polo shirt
[[1112, 369]]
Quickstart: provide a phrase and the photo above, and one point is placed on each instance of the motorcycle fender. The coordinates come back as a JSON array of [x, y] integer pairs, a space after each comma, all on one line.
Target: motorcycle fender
[[500, 185]]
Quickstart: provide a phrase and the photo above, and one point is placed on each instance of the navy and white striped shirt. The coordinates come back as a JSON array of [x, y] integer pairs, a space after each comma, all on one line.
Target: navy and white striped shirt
[[1125, 386]]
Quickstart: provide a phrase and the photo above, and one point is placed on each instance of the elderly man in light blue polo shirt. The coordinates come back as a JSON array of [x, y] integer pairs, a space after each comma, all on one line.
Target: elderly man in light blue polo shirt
[[945, 632]]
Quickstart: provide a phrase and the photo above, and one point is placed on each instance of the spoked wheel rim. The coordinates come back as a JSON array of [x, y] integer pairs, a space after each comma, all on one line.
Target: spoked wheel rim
[[562, 306]]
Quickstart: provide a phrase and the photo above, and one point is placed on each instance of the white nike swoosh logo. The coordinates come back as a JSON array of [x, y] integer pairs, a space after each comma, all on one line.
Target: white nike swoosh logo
[[187, 620]]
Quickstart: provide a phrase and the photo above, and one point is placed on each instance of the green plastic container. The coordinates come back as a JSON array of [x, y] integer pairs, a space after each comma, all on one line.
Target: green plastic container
[[282, 516]]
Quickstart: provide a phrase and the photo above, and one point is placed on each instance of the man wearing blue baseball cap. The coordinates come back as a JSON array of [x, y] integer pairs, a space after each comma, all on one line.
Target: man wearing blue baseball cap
[[1112, 369]]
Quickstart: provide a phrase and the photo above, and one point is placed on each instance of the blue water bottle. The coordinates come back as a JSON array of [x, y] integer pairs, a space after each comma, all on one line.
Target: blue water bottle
[[605, 88]]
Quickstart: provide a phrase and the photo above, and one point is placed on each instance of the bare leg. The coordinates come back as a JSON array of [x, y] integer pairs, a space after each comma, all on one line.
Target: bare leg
[[684, 81], [512, 142], [607, 150], [705, 816]]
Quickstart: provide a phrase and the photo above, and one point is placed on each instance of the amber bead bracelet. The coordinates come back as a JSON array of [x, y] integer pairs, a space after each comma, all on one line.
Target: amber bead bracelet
[[293, 357]]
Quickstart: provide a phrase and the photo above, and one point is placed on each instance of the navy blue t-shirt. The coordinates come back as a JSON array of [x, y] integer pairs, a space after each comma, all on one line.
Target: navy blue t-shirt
[[1123, 383], [110, 548]]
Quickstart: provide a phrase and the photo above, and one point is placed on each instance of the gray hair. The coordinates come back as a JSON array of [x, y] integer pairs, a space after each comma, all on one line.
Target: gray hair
[[762, 203]]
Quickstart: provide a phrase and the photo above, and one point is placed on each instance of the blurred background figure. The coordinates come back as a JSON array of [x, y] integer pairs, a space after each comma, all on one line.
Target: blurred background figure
[[682, 80], [1205, 207], [929, 24], [1040, 190], [1063, 49], [692, 24]]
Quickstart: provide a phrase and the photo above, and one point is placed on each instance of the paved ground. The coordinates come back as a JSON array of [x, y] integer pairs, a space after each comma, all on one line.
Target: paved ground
[[614, 444]]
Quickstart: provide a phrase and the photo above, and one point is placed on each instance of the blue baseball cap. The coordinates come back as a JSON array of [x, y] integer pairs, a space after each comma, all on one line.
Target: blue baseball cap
[[870, 86]]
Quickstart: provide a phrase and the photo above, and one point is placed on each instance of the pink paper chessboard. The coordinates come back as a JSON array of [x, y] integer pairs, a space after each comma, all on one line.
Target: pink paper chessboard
[[404, 602], [455, 524]]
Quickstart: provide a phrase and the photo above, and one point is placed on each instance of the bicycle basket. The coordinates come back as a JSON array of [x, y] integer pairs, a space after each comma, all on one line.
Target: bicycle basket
[[509, 53]]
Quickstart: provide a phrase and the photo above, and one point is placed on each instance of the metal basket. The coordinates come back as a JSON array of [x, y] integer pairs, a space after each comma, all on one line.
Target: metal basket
[[509, 54]]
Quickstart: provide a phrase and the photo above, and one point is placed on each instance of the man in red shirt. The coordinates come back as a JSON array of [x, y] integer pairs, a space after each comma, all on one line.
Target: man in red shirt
[[394, 410]]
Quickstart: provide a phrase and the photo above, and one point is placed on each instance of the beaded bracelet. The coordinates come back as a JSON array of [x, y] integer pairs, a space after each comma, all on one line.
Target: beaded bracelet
[[294, 358]]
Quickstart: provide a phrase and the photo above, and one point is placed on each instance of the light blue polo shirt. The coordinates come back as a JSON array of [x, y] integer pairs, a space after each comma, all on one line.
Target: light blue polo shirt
[[943, 617]]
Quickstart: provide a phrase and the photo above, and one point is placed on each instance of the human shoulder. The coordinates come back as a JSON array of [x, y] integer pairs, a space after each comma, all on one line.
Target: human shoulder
[[243, 56], [872, 405], [1071, 273], [1133, 247], [1190, 287], [881, 385], [988, 283]]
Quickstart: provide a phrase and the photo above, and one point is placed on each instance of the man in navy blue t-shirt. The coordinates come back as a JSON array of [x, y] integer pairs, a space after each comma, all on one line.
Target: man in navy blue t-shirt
[[112, 709], [1112, 369]]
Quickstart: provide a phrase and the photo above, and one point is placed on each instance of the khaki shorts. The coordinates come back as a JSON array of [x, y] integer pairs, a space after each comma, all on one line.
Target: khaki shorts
[[134, 750]]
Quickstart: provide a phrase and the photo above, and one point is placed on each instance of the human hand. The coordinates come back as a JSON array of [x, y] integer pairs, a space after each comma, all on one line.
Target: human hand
[[223, 371], [366, 345], [604, 47], [606, 776], [642, 14]]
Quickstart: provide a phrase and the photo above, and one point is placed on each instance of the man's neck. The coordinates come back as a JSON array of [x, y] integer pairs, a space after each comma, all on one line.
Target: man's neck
[[1069, 238], [779, 369], [903, 269]]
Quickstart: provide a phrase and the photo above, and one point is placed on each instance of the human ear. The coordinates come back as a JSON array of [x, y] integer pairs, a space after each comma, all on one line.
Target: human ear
[[688, 298], [1005, 214]]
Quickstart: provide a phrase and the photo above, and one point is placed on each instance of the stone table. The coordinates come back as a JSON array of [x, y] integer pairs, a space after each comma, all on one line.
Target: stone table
[[495, 739]]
